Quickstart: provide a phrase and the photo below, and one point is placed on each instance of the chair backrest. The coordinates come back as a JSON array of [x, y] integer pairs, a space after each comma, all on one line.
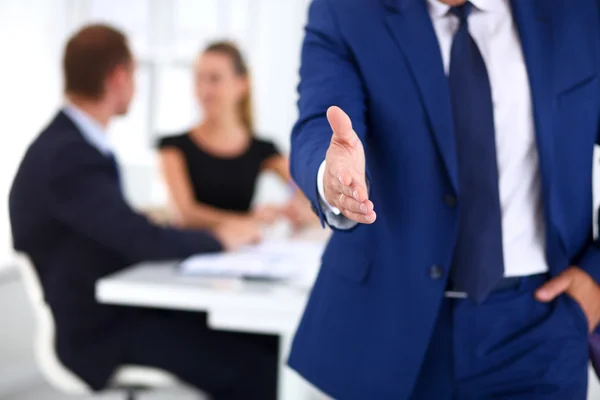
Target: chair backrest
[[44, 342]]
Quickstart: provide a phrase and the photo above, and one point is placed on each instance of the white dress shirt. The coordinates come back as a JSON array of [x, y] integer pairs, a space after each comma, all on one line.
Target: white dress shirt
[[492, 27], [91, 130]]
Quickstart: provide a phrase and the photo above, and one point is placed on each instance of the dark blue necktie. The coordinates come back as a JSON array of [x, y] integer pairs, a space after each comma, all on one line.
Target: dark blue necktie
[[478, 263]]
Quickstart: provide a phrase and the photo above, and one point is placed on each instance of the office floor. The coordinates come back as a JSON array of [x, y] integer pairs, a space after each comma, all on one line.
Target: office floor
[[42, 391], [19, 379]]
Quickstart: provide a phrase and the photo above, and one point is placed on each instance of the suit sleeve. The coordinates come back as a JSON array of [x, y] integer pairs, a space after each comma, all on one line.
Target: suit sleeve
[[590, 261], [85, 197], [328, 76]]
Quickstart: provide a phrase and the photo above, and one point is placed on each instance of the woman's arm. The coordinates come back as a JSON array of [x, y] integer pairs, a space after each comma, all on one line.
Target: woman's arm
[[278, 164], [297, 210], [192, 213]]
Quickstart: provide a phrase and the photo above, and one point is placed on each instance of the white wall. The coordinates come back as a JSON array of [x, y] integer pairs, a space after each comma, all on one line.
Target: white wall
[[31, 35]]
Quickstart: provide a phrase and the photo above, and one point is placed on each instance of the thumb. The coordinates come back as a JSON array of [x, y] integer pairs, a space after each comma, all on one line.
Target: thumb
[[554, 287], [341, 125]]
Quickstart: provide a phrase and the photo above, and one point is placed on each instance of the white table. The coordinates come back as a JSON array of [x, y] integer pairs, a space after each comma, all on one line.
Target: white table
[[234, 305], [230, 305]]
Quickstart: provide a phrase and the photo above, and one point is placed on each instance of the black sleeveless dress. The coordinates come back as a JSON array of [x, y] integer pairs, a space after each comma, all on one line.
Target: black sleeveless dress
[[224, 182]]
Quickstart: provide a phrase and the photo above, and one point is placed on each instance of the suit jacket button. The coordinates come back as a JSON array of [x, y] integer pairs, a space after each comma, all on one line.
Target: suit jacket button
[[436, 272], [450, 200]]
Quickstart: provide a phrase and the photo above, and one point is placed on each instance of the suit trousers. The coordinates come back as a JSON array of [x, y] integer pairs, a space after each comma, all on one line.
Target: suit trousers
[[509, 347], [225, 365]]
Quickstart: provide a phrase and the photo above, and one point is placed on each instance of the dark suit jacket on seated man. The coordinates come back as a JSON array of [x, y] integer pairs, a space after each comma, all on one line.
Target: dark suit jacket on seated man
[[69, 215], [469, 127]]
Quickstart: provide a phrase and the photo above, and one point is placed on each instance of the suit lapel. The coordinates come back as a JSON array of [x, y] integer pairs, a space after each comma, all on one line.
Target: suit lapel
[[536, 21], [409, 23], [533, 20]]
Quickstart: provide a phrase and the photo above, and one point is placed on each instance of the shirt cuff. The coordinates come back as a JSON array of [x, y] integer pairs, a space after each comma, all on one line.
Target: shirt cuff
[[333, 215], [320, 183]]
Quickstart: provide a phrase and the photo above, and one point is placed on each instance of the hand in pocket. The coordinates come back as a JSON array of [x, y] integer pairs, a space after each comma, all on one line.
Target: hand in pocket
[[580, 286]]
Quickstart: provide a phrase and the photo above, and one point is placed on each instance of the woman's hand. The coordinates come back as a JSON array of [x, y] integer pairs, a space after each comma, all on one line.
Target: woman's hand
[[267, 214], [299, 212]]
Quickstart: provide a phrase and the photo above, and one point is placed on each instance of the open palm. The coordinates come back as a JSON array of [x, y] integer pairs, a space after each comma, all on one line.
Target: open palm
[[344, 181]]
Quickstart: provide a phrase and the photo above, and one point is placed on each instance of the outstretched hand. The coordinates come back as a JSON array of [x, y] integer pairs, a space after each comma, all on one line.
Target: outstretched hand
[[344, 181]]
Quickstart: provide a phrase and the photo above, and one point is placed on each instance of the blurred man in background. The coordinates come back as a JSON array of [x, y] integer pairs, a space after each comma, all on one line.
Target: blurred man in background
[[68, 214]]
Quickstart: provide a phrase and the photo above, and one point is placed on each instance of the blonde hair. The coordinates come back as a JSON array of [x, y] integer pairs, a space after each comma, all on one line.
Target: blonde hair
[[241, 69]]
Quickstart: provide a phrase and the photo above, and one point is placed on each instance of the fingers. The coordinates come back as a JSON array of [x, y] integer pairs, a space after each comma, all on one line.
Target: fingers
[[256, 238], [253, 234], [346, 183], [360, 218], [554, 287], [350, 204], [267, 214], [350, 196], [341, 125], [359, 211]]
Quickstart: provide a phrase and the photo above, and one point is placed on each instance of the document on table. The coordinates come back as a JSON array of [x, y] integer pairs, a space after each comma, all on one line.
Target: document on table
[[271, 260]]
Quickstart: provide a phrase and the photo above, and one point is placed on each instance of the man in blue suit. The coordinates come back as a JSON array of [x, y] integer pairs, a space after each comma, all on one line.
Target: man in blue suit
[[469, 127], [69, 215]]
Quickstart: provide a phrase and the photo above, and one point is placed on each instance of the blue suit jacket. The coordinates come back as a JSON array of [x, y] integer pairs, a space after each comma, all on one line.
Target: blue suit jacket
[[68, 214], [369, 318]]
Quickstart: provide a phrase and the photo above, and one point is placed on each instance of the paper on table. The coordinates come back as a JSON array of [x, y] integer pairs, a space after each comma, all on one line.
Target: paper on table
[[272, 259]]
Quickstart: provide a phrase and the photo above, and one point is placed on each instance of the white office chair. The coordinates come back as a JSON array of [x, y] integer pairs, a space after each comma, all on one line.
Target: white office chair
[[130, 379]]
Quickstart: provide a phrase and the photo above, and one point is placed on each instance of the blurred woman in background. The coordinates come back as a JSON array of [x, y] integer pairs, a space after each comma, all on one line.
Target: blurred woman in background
[[212, 169]]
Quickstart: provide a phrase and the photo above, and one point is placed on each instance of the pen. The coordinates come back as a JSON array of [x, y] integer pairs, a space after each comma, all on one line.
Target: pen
[[257, 278]]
